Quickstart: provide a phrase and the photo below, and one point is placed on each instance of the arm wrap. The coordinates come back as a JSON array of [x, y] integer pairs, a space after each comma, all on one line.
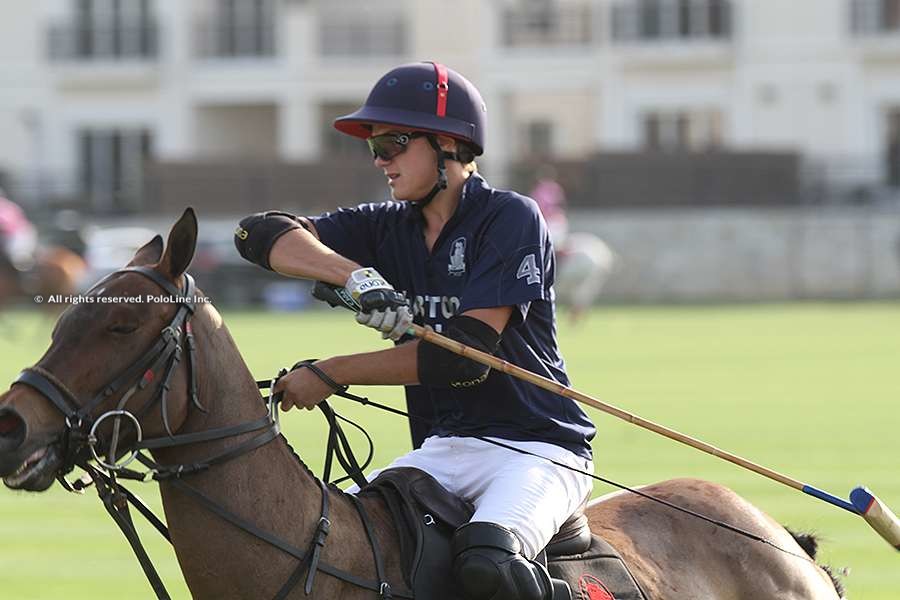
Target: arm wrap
[[438, 367], [255, 235]]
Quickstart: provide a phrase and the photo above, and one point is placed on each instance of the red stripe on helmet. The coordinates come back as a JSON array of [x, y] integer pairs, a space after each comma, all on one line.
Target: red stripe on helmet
[[442, 89]]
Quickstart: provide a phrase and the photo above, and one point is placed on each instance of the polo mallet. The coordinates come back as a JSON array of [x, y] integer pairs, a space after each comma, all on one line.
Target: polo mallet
[[862, 501]]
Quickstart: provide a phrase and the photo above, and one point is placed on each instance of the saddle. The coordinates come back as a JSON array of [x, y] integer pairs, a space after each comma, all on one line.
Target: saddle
[[426, 515]]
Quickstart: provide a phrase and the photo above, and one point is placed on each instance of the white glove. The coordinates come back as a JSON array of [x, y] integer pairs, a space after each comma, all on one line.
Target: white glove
[[383, 307]]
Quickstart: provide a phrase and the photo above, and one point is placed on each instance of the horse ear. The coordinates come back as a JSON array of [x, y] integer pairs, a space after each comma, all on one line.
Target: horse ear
[[180, 247], [149, 253]]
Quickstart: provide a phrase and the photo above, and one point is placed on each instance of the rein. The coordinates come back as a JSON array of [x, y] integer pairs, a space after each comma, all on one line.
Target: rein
[[341, 391], [81, 446]]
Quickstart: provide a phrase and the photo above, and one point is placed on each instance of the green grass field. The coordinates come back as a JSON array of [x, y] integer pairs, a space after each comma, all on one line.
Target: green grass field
[[810, 390]]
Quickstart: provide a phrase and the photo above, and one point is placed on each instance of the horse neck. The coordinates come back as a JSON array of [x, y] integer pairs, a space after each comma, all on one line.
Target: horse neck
[[270, 486], [228, 393], [225, 387]]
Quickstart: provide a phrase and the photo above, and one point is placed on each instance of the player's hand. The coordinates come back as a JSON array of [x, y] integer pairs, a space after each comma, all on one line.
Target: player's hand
[[383, 307], [302, 388]]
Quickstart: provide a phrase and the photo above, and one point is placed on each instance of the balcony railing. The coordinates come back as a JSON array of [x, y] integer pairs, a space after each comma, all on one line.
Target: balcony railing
[[875, 17], [340, 37], [250, 41], [672, 20], [547, 24], [80, 43]]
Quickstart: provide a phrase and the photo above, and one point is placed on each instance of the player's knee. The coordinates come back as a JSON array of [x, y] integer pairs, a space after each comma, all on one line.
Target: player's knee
[[488, 566]]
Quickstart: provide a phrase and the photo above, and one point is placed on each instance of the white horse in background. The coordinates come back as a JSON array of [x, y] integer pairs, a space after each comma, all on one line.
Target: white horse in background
[[584, 262]]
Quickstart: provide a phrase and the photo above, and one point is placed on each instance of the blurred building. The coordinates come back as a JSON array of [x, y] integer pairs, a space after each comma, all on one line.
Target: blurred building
[[125, 107], [122, 105]]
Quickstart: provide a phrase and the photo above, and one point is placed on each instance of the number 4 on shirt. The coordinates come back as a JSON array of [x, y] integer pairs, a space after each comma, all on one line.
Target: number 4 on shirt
[[528, 268]]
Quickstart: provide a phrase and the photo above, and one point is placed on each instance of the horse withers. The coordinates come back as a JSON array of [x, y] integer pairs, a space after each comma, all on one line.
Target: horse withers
[[269, 514]]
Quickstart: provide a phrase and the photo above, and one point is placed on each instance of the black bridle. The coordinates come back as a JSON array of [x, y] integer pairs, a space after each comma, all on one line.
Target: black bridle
[[79, 440], [81, 446]]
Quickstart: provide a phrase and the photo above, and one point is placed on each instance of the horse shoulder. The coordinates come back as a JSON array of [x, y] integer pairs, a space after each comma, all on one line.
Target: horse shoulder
[[360, 561]]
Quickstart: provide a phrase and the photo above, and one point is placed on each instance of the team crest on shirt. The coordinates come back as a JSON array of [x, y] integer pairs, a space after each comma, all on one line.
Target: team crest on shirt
[[457, 264]]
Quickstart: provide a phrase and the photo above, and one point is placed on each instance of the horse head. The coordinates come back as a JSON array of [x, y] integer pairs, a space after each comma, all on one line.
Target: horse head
[[103, 384]]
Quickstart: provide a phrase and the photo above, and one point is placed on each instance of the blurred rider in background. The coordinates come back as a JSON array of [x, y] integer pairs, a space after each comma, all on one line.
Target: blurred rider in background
[[585, 262]]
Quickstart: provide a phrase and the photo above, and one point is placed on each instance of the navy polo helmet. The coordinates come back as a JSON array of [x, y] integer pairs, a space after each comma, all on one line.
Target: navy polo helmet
[[424, 96]]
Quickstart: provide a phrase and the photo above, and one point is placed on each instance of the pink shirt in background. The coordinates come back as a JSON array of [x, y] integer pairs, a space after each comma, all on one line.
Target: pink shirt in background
[[18, 237], [551, 199], [13, 221]]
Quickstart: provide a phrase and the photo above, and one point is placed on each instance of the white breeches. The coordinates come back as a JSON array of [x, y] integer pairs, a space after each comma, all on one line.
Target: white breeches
[[528, 495]]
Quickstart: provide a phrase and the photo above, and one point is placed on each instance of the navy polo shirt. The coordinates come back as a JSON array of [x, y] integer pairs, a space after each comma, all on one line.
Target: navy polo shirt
[[495, 251]]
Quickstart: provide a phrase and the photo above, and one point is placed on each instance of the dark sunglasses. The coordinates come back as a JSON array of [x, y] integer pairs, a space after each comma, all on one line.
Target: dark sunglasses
[[388, 145]]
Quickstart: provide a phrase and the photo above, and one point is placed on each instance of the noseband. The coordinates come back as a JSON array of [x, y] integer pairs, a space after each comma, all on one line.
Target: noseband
[[79, 439]]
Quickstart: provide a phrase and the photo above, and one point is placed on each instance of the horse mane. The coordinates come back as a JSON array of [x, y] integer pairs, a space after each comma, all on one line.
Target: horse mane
[[303, 466], [809, 541], [306, 467]]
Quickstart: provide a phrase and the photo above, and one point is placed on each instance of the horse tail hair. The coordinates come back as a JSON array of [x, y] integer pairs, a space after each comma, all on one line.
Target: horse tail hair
[[810, 544]]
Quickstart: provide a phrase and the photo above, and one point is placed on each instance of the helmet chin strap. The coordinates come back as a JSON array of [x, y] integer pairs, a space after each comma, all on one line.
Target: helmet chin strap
[[441, 169]]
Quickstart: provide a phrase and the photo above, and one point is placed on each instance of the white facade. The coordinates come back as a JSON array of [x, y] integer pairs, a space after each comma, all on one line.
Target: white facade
[[261, 79]]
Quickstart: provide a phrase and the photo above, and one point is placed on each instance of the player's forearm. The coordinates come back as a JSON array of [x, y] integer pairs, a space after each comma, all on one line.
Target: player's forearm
[[298, 253], [394, 366]]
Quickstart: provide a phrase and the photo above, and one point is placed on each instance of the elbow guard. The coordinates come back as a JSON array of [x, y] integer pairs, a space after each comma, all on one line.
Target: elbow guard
[[438, 367], [255, 235]]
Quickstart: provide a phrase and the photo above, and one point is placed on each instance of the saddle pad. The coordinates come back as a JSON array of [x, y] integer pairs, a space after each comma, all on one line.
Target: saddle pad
[[598, 574], [425, 515]]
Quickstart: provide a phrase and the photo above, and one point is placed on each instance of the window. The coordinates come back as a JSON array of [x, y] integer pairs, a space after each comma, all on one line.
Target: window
[[890, 13], [671, 19], [680, 131], [111, 166], [239, 28], [547, 23], [875, 16], [335, 143], [539, 142], [106, 29], [361, 33], [892, 154], [384, 37]]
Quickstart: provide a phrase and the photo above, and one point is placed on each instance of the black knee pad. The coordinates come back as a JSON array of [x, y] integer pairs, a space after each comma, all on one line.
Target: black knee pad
[[487, 565]]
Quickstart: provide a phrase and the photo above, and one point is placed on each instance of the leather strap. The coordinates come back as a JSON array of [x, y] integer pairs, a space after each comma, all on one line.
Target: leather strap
[[442, 89], [118, 510], [277, 542], [384, 588], [315, 550]]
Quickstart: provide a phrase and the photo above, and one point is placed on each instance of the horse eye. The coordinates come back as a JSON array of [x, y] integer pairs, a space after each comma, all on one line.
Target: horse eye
[[122, 327]]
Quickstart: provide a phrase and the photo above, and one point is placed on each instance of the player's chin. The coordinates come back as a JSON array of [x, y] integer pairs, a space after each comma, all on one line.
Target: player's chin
[[413, 196], [401, 195]]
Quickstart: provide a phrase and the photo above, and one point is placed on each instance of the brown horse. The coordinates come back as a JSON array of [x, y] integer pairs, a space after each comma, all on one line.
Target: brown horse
[[674, 556], [56, 270]]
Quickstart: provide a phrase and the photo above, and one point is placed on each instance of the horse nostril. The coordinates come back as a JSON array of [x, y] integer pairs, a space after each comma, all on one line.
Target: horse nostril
[[12, 429]]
